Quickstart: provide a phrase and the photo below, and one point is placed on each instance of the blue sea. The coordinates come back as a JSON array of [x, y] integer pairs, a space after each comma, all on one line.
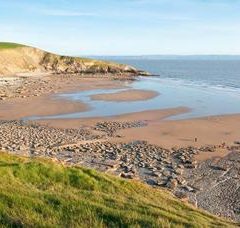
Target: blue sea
[[219, 73], [207, 86]]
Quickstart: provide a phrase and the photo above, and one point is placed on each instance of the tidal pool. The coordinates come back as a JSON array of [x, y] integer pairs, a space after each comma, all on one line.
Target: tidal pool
[[202, 99]]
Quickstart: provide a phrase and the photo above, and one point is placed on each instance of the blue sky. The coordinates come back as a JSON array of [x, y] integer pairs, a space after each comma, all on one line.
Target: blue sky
[[123, 27]]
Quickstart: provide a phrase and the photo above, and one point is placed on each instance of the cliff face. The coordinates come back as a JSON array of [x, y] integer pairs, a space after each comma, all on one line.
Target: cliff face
[[20, 60], [64, 64], [23, 59]]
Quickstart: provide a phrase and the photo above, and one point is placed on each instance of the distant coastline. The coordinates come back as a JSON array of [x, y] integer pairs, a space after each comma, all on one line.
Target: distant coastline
[[169, 57]]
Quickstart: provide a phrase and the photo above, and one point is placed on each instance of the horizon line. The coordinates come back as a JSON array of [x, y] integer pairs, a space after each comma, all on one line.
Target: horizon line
[[121, 55], [173, 55]]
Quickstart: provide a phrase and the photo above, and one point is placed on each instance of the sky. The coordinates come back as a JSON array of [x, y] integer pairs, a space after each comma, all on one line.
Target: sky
[[123, 27]]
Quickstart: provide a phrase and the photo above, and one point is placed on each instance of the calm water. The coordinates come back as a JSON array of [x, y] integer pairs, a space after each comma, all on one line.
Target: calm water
[[207, 87], [221, 73]]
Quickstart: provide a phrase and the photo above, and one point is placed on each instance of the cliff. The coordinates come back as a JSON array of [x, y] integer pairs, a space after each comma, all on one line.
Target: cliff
[[16, 59]]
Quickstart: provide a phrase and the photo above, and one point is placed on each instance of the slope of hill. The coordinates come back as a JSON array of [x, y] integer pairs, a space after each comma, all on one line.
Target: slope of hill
[[17, 58], [41, 193], [6, 45]]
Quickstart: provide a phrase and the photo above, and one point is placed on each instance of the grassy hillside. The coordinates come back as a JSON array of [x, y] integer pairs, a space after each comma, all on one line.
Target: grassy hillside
[[42, 193], [17, 59], [6, 45]]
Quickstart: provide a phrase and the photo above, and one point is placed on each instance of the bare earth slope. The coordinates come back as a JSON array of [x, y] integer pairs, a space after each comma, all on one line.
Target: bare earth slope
[[16, 59]]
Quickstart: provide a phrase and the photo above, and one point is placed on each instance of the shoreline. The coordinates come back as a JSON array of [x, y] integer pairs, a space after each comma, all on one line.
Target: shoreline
[[214, 130], [143, 145], [159, 130], [35, 96]]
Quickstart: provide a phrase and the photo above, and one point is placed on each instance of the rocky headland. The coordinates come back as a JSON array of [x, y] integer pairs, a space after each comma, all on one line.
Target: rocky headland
[[16, 59]]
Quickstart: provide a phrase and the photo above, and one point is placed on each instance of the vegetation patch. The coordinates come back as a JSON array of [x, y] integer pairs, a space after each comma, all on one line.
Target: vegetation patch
[[36, 192], [6, 45]]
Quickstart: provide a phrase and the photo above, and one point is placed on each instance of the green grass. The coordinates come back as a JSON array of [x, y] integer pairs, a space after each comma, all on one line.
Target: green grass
[[40, 193], [49, 57], [6, 45]]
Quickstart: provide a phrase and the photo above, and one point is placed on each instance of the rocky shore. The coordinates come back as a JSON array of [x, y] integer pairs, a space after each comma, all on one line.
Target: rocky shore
[[212, 184], [216, 185], [110, 128], [23, 87], [34, 86]]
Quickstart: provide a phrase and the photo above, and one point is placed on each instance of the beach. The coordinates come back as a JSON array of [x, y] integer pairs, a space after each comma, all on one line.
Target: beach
[[146, 145], [128, 95], [159, 129], [120, 113]]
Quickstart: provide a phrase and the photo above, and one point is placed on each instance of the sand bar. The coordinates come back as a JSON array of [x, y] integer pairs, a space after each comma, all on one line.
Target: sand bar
[[36, 96], [127, 95]]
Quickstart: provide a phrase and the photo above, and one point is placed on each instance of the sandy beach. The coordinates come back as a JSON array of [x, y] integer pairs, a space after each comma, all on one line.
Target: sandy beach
[[180, 133], [34, 95], [128, 95], [120, 113], [145, 145], [167, 133], [210, 130], [38, 106]]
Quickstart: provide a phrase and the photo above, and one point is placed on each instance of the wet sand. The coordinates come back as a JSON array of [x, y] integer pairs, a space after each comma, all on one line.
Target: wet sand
[[208, 131], [165, 160], [35, 95], [38, 106], [128, 95], [178, 133], [32, 85]]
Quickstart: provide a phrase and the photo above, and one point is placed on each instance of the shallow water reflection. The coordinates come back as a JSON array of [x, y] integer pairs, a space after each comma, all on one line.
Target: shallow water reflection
[[203, 100]]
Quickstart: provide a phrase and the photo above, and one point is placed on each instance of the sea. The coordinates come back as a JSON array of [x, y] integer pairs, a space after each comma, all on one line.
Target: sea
[[208, 86]]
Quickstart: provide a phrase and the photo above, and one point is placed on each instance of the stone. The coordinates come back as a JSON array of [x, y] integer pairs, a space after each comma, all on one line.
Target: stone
[[172, 184], [126, 175]]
